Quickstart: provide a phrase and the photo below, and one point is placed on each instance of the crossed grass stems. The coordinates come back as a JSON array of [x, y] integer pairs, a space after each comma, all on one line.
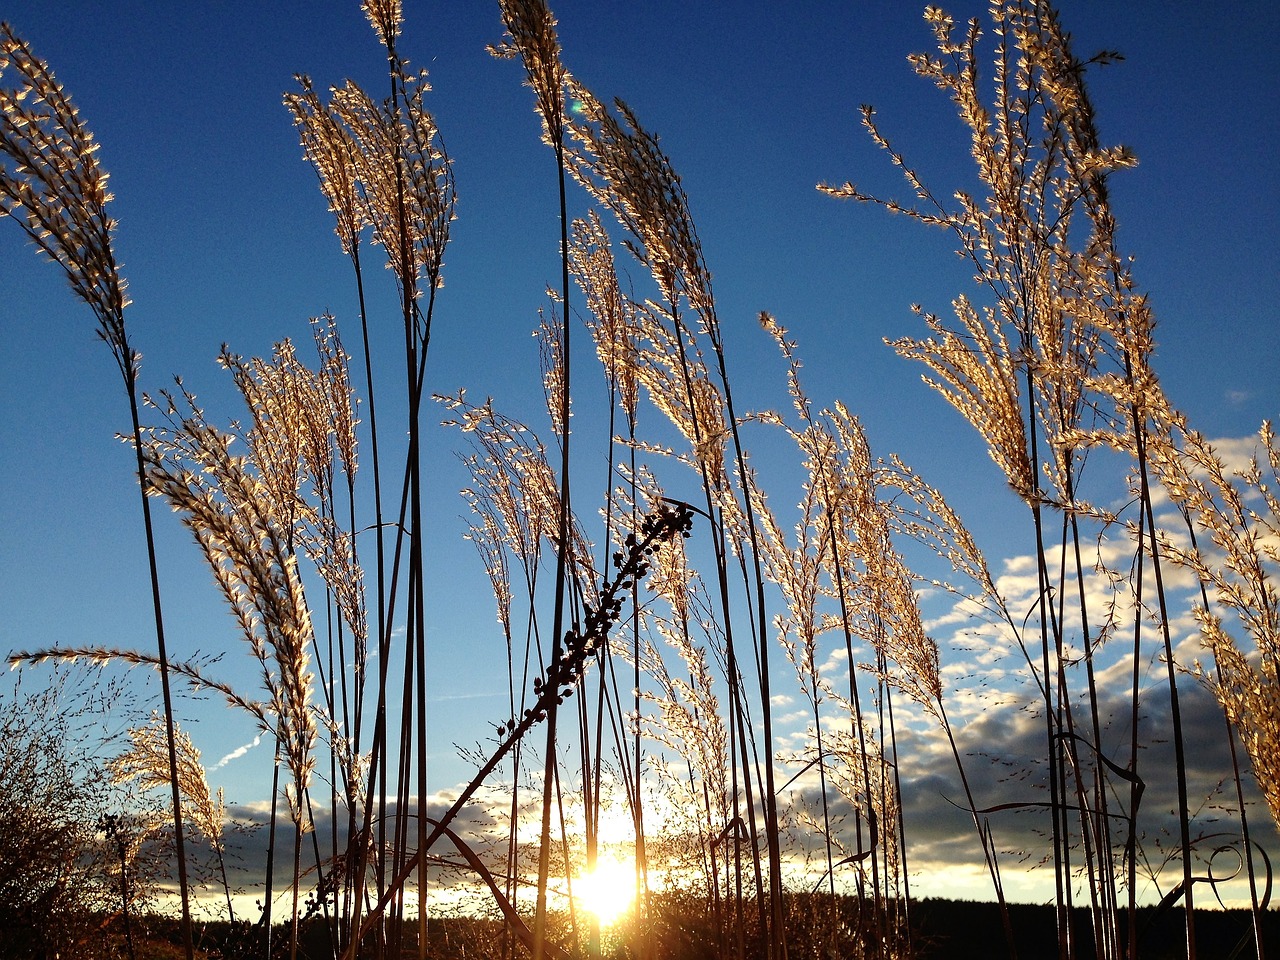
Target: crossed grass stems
[[1051, 365]]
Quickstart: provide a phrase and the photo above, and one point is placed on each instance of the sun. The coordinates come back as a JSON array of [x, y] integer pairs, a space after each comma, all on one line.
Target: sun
[[607, 892]]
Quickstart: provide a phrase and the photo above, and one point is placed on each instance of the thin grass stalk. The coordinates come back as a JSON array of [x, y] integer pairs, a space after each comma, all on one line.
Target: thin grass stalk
[[567, 859], [1067, 750], [596, 274], [408, 256], [1135, 790], [737, 711], [1018, 242], [642, 860], [884, 712], [1179, 749], [401, 852], [331, 151], [701, 712], [590, 783], [606, 657], [826, 813], [531, 29], [776, 927], [1061, 864], [321, 892], [268, 896], [1246, 842], [420, 178], [1108, 924], [379, 769], [984, 835], [166, 692], [903, 903], [297, 883], [858, 728]]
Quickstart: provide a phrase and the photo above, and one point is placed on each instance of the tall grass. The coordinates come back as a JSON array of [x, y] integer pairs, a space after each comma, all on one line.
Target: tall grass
[[653, 668], [52, 185]]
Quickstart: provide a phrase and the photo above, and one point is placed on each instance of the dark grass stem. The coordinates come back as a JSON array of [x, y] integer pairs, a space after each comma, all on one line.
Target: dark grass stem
[[129, 371]]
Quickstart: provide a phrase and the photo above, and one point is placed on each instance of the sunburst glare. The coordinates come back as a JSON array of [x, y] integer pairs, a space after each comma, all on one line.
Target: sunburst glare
[[608, 891]]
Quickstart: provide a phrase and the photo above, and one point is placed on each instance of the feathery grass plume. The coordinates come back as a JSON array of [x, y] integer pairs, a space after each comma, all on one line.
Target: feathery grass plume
[[797, 570], [192, 671], [247, 537], [301, 448], [387, 19], [621, 165], [531, 37], [611, 320], [881, 597], [406, 183], [514, 498], [1019, 237], [488, 539], [332, 151], [1249, 691], [689, 720], [879, 603], [52, 185], [1239, 512], [337, 393], [923, 514], [399, 162], [888, 606], [978, 375], [612, 317], [302, 437], [671, 369], [516, 493], [515, 475], [383, 165], [146, 762], [551, 357], [847, 523], [227, 506]]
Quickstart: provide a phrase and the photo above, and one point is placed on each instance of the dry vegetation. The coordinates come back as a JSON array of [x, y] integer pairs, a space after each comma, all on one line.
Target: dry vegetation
[[646, 634]]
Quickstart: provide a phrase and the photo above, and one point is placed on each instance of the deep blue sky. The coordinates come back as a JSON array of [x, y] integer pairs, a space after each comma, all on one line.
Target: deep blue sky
[[224, 237]]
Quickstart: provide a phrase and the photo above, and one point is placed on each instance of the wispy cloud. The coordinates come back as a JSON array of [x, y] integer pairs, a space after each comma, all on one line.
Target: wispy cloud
[[441, 698]]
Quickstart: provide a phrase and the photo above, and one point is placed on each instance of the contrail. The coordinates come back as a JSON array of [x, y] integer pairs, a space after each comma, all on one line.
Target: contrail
[[237, 753]]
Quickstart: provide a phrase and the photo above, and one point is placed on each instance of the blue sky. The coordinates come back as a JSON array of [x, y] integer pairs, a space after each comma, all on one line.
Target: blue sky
[[224, 238]]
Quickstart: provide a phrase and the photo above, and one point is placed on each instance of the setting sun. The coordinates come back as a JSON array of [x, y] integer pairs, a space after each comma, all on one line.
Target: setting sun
[[607, 892]]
